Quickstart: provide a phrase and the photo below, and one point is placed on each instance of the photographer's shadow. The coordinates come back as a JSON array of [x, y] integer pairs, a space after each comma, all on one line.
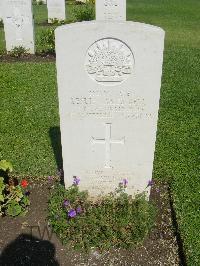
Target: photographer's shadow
[[28, 250]]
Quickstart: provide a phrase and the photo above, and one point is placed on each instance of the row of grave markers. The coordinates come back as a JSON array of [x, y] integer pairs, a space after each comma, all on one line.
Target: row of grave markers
[[18, 21], [19, 25]]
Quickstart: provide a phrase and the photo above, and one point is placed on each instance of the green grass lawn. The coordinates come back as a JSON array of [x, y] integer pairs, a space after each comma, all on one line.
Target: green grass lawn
[[29, 111]]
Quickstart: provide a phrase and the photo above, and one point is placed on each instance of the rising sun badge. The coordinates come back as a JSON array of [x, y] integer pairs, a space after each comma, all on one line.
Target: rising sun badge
[[109, 61]]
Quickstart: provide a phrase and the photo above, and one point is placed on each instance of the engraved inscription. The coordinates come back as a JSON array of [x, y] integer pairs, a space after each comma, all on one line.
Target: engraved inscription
[[109, 104], [111, 3], [109, 61], [112, 10], [105, 178], [108, 141]]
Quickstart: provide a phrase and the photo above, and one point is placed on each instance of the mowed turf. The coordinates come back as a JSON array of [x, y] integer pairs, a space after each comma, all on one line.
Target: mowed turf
[[29, 113]]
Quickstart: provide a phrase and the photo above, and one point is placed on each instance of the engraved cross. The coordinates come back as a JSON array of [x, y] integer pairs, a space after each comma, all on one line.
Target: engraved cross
[[108, 141]]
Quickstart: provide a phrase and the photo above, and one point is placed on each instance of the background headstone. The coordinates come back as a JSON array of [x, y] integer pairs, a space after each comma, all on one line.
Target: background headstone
[[109, 77], [18, 24], [56, 10], [1, 10], [111, 10]]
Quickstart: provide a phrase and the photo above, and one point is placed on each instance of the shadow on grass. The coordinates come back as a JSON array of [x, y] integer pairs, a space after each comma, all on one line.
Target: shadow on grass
[[28, 250], [176, 230], [54, 134]]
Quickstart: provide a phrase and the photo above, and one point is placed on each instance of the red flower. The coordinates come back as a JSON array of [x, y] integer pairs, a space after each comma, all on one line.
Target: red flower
[[24, 183]]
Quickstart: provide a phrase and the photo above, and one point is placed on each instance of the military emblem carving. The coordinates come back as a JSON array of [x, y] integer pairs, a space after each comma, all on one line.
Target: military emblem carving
[[109, 61]]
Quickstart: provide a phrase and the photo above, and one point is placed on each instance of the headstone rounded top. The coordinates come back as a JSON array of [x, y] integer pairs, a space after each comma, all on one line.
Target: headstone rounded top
[[136, 26]]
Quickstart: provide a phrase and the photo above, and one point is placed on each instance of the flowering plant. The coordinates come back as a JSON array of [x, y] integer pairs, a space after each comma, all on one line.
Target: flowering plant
[[115, 219], [74, 207], [13, 196]]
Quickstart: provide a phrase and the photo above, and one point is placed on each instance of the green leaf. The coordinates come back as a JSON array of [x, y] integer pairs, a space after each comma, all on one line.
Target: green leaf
[[2, 185], [1, 198], [25, 201], [14, 209], [6, 166], [23, 213]]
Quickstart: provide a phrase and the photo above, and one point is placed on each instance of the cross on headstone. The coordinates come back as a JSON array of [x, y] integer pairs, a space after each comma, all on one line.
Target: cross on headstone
[[108, 141]]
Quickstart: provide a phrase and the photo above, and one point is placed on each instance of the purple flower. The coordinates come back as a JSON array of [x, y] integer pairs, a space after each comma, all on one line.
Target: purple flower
[[125, 182], [72, 213], [79, 210], [27, 193], [150, 183], [50, 178], [76, 180], [66, 203]]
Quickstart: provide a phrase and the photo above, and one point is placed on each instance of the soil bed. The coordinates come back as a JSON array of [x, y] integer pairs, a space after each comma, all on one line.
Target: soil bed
[[23, 241], [28, 58]]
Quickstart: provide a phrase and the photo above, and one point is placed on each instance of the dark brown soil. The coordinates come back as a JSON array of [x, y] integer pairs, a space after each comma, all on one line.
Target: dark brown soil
[[28, 58], [22, 241]]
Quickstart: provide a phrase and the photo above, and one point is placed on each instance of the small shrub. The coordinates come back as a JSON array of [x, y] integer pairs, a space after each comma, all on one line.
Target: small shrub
[[39, 2], [116, 220], [84, 12], [13, 196], [57, 22], [18, 51], [91, 2], [47, 41]]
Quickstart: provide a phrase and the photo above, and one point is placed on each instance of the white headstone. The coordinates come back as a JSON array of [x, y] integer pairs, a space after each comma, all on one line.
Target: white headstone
[[1, 10], [109, 78], [56, 10], [111, 10], [18, 24]]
